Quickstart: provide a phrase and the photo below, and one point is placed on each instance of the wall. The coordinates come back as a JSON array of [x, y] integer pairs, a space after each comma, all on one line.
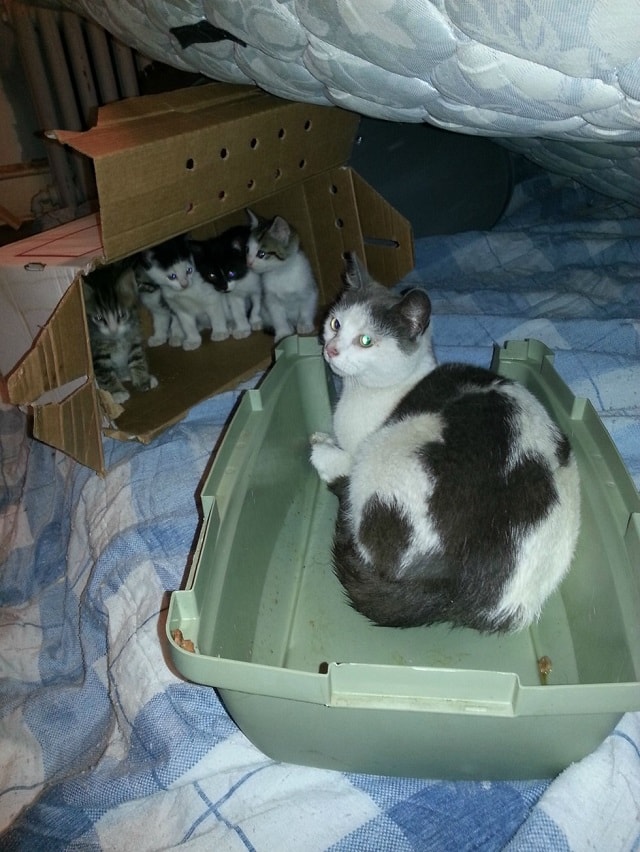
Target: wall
[[23, 175]]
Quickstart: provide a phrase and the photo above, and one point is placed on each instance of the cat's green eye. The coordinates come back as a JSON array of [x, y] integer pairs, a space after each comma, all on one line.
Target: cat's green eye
[[365, 341], [334, 323]]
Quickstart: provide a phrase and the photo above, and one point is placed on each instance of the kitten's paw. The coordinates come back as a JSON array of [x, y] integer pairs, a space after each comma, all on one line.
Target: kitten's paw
[[219, 335], [176, 341], [120, 396], [153, 382], [257, 325], [305, 328], [187, 345], [240, 333], [158, 340]]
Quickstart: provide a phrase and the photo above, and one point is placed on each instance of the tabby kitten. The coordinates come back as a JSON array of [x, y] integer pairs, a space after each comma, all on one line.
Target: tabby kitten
[[180, 302], [459, 497], [290, 293], [222, 261], [111, 305]]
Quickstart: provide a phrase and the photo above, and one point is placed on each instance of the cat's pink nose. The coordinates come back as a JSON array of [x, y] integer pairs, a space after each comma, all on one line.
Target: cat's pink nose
[[330, 350]]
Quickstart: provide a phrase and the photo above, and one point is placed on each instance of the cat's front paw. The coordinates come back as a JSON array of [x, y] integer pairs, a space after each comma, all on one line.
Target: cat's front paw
[[219, 335], [176, 341], [240, 333], [305, 328], [257, 325], [158, 340], [146, 384], [330, 461], [120, 396], [321, 438], [190, 344]]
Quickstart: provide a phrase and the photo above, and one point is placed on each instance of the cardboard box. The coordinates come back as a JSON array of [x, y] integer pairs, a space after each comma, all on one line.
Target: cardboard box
[[187, 161]]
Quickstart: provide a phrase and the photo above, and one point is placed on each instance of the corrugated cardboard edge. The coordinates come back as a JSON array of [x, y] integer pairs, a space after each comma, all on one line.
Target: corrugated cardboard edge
[[60, 355]]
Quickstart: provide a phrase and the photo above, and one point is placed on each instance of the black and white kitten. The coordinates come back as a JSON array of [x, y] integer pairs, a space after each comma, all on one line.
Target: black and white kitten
[[222, 261], [115, 336], [179, 300], [290, 292], [459, 497]]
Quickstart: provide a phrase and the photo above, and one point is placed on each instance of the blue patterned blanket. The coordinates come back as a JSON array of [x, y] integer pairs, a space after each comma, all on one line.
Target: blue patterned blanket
[[103, 746]]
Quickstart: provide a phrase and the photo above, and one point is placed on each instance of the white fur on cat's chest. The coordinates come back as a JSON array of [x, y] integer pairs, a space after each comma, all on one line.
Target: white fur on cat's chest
[[361, 410]]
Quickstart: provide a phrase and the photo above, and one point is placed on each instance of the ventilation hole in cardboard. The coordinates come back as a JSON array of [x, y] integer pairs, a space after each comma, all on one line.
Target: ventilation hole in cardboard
[[333, 189], [251, 183], [307, 124], [188, 208], [339, 223], [254, 143], [278, 174], [302, 164], [190, 164], [224, 153], [381, 241], [222, 195], [282, 133]]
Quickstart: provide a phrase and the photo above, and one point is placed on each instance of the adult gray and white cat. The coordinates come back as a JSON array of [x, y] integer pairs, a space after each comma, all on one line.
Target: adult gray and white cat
[[181, 303], [290, 292], [459, 497], [115, 335]]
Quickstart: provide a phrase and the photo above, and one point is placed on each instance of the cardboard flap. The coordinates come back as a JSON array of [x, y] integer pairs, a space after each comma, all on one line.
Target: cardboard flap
[[73, 426], [183, 100], [60, 353], [179, 161], [387, 235]]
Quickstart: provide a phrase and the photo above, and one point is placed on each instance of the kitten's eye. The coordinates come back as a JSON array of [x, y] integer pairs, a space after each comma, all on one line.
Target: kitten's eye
[[365, 341], [334, 323], [261, 254], [189, 270], [231, 274], [172, 276]]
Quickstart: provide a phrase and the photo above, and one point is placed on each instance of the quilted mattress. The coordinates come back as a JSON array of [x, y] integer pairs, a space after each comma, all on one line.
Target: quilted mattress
[[558, 80]]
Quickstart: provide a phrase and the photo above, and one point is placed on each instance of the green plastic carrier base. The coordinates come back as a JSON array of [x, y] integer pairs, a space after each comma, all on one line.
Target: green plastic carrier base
[[310, 681]]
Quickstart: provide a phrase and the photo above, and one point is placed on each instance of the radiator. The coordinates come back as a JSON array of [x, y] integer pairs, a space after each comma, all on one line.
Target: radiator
[[72, 67]]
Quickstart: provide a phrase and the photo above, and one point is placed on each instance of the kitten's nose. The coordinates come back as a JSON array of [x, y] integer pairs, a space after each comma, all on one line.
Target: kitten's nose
[[330, 350]]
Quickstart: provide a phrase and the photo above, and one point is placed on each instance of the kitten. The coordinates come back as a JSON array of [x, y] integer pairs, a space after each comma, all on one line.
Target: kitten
[[111, 305], [459, 498], [290, 293], [180, 302], [222, 261]]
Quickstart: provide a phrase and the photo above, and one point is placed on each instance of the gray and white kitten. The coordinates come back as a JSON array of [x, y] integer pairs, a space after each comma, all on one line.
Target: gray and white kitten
[[290, 292], [181, 303], [459, 497], [115, 336]]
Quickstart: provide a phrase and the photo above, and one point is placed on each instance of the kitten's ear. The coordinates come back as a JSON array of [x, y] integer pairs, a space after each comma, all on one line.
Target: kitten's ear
[[254, 220], [196, 247], [126, 286], [281, 230], [415, 308], [356, 275]]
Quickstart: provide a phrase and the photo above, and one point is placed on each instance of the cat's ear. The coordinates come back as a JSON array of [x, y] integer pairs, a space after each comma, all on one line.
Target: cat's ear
[[254, 220], [196, 247], [356, 275], [126, 286], [281, 230], [415, 309]]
